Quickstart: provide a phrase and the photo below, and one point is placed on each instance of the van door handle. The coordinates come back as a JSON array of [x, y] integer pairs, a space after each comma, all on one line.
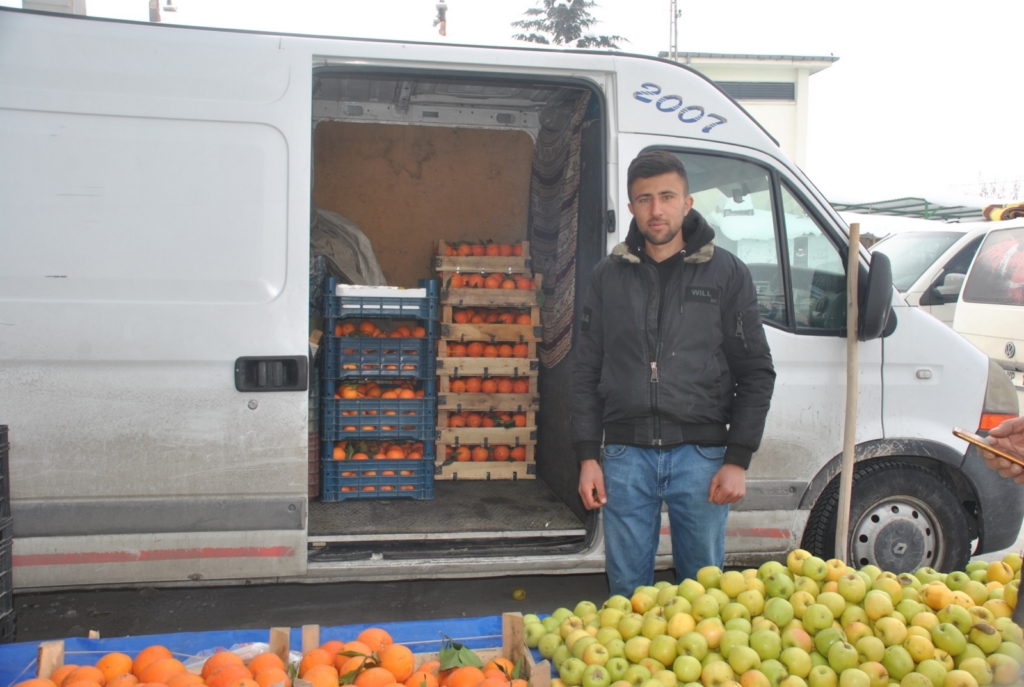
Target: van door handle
[[284, 373]]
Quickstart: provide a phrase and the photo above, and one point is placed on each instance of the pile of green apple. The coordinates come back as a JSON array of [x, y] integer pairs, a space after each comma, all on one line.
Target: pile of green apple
[[805, 623]]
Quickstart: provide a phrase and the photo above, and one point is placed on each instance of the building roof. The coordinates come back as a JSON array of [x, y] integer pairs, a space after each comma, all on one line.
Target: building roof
[[814, 62], [920, 208]]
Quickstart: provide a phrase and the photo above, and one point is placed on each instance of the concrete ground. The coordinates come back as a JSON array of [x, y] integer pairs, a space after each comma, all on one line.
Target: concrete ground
[[124, 612]]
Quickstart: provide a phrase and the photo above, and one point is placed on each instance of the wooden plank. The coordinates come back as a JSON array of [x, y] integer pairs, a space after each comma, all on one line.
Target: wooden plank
[[443, 347], [310, 638], [446, 382], [491, 333], [513, 636], [49, 658], [508, 402], [487, 436], [487, 264], [279, 642], [496, 298], [489, 470], [488, 367], [531, 418], [448, 314]]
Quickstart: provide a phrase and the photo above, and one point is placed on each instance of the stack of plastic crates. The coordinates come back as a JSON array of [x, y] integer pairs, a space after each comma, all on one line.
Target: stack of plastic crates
[[313, 452], [6, 542], [352, 428]]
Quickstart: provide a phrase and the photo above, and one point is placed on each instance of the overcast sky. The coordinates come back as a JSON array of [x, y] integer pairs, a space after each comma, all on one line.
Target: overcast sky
[[925, 99]]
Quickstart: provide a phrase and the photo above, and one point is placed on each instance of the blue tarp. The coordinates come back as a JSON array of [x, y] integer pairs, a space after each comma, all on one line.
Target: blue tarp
[[18, 661]]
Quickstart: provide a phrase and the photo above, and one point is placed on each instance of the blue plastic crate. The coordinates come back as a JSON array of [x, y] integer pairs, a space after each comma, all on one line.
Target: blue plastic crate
[[358, 357], [419, 308], [379, 418], [370, 473]]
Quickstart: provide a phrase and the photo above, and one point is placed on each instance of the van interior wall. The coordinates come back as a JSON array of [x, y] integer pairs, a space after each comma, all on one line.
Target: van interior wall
[[407, 186], [560, 469]]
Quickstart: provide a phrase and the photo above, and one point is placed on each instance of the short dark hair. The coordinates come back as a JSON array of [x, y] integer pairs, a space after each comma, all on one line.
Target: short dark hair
[[654, 163]]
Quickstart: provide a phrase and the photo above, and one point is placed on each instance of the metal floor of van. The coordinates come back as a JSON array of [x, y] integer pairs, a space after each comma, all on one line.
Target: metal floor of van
[[478, 509]]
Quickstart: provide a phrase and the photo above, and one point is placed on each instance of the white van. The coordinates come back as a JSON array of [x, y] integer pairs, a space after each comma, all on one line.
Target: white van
[[156, 189], [990, 313], [929, 266]]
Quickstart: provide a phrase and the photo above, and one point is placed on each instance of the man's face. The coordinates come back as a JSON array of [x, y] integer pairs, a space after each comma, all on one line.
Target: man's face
[[659, 205]]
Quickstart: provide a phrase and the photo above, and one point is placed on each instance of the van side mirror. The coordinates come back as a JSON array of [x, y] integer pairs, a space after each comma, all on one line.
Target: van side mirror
[[876, 298], [945, 289]]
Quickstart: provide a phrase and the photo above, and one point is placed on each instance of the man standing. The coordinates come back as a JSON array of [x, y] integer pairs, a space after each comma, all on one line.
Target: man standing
[[673, 369]]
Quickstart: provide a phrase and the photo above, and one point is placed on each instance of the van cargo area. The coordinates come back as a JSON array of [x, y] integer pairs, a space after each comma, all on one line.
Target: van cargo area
[[415, 159]]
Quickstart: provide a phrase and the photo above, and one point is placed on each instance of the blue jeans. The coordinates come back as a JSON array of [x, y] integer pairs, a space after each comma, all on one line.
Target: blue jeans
[[636, 482]]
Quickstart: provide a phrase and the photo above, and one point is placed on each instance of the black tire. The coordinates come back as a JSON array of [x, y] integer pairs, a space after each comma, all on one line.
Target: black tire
[[903, 517]]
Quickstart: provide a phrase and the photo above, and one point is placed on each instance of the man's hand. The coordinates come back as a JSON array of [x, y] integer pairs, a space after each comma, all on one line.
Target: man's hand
[[729, 485], [1008, 437], [592, 485]]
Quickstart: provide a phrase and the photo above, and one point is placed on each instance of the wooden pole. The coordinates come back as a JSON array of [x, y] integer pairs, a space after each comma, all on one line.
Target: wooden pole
[[850, 424]]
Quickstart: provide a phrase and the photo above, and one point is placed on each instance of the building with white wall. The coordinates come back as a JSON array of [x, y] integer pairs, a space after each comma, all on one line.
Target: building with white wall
[[774, 89]]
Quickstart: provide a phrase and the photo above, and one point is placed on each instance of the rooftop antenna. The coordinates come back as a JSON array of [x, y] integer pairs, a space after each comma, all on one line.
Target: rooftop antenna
[[673, 30], [169, 6], [441, 21]]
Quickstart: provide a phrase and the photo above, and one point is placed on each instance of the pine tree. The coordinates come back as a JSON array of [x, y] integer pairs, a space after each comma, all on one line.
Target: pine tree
[[563, 22]]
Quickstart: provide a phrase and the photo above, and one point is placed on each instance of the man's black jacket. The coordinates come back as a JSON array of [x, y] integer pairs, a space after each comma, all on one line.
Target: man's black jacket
[[704, 377]]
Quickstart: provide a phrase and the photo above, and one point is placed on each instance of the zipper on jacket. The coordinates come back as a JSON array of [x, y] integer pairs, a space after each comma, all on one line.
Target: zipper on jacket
[[656, 439], [739, 330], [654, 373]]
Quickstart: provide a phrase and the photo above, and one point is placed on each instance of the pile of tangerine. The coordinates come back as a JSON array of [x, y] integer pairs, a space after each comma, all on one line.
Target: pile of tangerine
[[490, 316], [489, 385], [372, 660], [476, 349], [397, 389], [377, 450], [487, 419], [484, 248], [509, 282], [482, 454], [369, 330]]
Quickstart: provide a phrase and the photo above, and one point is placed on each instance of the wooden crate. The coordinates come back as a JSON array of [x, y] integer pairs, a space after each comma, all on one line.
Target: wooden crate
[[498, 401], [515, 264], [491, 333], [447, 314], [487, 367], [518, 403], [489, 470], [485, 436]]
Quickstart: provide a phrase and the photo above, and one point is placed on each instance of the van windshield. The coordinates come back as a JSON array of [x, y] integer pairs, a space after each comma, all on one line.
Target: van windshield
[[914, 252], [998, 273]]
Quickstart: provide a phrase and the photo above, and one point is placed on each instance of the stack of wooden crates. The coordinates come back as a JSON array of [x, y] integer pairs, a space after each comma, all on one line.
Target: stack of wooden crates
[[519, 440]]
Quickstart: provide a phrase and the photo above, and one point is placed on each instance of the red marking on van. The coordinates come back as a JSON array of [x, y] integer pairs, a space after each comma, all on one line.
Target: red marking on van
[[99, 557]]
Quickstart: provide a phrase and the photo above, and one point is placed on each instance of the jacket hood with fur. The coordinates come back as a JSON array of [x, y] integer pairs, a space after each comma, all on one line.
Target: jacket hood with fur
[[697, 233]]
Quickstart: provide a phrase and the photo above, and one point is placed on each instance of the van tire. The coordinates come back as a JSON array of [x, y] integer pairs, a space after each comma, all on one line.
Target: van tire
[[909, 507]]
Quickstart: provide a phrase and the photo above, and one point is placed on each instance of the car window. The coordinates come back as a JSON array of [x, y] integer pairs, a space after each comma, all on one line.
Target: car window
[[735, 197], [913, 252], [997, 277], [961, 262], [816, 270]]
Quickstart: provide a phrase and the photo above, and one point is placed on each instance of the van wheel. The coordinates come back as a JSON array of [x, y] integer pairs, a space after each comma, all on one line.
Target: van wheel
[[903, 517]]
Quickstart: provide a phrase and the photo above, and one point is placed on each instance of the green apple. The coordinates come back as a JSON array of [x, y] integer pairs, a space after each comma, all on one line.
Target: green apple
[[870, 649], [690, 589], [891, 631], [692, 644], [596, 654], [584, 608], [816, 618], [779, 586], [909, 580], [979, 669], [926, 575], [533, 632], [872, 571], [562, 654], [681, 623], [958, 616], [985, 637], [730, 640], [636, 675], [709, 576], [732, 583], [797, 661], [960, 678], [567, 626], [1010, 631], [814, 568], [615, 647], [779, 611], [909, 608], [650, 590], [641, 602], [575, 635], [980, 575], [637, 649], [717, 674], [610, 617], [1013, 650], [630, 625], [712, 657], [822, 676], [795, 560], [607, 634], [826, 638], [802, 583], [653, 626], [571, 671], [617, 667], [797, 637], [741, 624], [854, 614], [774, 671], [618, 602], [676, 604], [842, 656], [949, 638], [754, 678], [561, 614], [580, 645], [721, 597], [876, 673], [897, 661], [977, 591], [769, 567], [595, 675], [551, 623], [762, 623], [753, 600], [666, 594], [652, 665], [856, 630], [617, 683], [835, 602], [743, 658], [687, 669], [854, 678], [800, 601], [877, 604], [663, 649], [666, 678], [971, 651], [704, 606], [734, 610], [933, 670], [915, 679], [956, 580], [766, 643], [1005, 671], [549, 643]]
